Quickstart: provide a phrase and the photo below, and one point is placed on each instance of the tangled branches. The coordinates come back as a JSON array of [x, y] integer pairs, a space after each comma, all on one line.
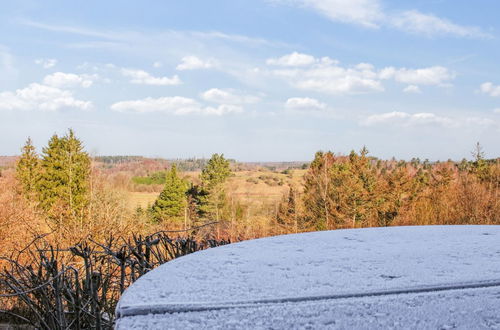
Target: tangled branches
[[79, 287]]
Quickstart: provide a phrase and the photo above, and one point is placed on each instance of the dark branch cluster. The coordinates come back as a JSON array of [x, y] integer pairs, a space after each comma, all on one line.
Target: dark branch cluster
[[79, 287]]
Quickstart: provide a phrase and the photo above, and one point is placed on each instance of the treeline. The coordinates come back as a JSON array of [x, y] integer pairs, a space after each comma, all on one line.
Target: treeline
[[113, 160], [338, 191], [359, 191], [69, 194]]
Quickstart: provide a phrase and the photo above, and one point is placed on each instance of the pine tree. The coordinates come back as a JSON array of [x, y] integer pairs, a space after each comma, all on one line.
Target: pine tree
[[317, 201], [339, 191], [172, 202], [63, 188], [213, 177], [28, 169], [287, 212], [196, 196], [216, 172], [480, 166]]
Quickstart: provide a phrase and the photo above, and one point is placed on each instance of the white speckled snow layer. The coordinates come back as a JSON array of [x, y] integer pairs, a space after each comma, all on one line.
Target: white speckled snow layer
[[313, 265], [467, 309]]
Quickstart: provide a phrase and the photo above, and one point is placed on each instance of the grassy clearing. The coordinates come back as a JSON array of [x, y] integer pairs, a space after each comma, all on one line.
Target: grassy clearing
[[254, 188], [142, 199]]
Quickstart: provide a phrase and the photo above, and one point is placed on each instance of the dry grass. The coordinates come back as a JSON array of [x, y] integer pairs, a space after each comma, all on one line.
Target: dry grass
[[141, 199], [257, 188]]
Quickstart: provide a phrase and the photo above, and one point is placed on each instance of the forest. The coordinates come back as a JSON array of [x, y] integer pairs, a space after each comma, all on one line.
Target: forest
[[76, 230]]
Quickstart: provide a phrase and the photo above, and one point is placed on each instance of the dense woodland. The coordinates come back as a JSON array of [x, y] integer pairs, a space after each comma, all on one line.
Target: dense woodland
[[59, 204]]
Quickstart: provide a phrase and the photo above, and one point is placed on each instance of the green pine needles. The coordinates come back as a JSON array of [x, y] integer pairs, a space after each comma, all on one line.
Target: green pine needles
[[28, 169], [60, 180], [172, 202]]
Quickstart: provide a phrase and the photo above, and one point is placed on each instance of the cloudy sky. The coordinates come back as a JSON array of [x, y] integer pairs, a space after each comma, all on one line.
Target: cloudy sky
[[256, 80]]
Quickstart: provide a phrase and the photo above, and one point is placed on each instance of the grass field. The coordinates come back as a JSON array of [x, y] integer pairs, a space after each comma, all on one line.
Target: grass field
[[253, 188], [142, 199]]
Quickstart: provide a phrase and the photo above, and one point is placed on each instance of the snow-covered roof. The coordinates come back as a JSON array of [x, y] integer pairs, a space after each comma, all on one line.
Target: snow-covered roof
[[428, 276]]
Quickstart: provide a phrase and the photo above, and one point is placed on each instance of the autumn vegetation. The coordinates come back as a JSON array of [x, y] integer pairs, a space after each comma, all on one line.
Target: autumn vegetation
[[60, 204]]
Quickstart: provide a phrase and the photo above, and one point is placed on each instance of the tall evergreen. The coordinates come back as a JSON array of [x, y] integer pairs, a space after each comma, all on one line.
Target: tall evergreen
[[286, 214], [28, 168], [63, 187], [317, 201], [172, 202], [213, 177], [480, 166], [338, 191]]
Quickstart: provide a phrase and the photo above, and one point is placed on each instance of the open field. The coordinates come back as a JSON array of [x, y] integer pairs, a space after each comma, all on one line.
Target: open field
[[256, 188]]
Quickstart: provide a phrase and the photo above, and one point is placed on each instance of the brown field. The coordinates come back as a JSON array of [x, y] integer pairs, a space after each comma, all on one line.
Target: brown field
[[255, 188]]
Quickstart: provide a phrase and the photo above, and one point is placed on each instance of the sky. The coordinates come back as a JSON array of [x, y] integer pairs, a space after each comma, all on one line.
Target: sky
[[260, 80]]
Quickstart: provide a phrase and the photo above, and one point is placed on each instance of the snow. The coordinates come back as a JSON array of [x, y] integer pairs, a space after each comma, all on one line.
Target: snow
[[411, 277]]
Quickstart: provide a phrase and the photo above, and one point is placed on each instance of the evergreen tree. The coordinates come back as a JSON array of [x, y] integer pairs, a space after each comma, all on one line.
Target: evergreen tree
[[216, 172], [480, 166], [339, 191], [213, 177], [28, 168], [317, 201], [287, 212], [196, 196], [171, 203], [395, 189], [63, 188]]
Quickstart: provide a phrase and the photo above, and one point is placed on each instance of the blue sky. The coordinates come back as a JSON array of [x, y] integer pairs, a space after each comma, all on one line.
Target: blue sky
[[257, 80]]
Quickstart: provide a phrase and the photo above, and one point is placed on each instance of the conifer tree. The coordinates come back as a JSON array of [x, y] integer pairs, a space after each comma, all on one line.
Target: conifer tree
[[172, 202], [317, 202], [196, 196], [213, 177], [216, 172], [339, 191], [287, 212], [480, 166], [28, 169], [63, 188]]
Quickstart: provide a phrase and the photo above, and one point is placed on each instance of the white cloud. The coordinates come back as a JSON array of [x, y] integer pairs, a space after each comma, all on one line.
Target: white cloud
[[221, 110], [46, 63], [371, 14], [416, 22], [435, 75], [193, 63], [326, 75], [144, 78], [404, 119], [293, 59], [412, 89], [228, 96], [490, 89], [68, 80], [41, 97], [157, 64], [367, 13], [304, 104], [175, 105], [407, 119], [477, 121], [497, 110]]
